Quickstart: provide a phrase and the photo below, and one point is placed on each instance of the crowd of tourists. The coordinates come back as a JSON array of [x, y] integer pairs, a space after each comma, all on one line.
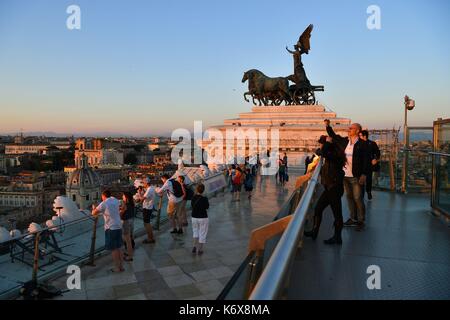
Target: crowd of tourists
[[119, 216], [241, 175], [349, 163]]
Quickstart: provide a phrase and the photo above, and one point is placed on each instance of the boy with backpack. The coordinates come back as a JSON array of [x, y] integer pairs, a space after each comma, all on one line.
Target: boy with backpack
[[174, 192], [237, 181]]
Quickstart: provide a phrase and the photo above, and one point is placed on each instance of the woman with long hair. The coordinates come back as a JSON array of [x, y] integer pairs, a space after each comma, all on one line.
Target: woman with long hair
[[127, 212]]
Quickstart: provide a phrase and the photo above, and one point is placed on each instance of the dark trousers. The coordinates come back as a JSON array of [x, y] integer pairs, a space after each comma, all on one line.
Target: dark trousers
[[368, 185], [330, 197], [282, 176]]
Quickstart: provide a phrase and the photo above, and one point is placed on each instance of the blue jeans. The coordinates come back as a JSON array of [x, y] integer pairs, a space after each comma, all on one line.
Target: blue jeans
[[353, 190]]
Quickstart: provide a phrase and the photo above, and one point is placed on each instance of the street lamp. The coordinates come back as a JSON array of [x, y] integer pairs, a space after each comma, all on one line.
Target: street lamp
[[409, 105]]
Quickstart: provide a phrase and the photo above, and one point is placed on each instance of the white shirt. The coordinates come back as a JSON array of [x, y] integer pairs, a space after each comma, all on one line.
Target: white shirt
[[148, 198], [167, 186], [349, 155], [111, 214]]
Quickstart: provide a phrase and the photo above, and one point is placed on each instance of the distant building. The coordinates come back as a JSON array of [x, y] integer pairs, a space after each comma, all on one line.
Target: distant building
[[25, 148], [25, 193], [162, 157], [98, 152], [109, 176], [8, 161], [19, 139]]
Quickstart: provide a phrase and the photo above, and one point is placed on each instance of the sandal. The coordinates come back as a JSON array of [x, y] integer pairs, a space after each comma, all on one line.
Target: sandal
[[114, 271], [148, 241], [128, 259]]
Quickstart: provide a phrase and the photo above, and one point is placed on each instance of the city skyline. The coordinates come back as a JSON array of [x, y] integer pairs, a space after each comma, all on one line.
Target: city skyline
[[148, 68]]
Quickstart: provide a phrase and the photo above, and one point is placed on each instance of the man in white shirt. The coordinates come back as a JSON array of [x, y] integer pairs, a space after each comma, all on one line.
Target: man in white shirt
[[174, 202], [147, 200], [113, 227], [356, 170]]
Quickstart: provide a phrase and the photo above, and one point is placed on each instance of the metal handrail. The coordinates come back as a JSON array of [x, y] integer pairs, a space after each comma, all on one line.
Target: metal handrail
[[54, 228], [64, 224], [439, 154], [270, 283]]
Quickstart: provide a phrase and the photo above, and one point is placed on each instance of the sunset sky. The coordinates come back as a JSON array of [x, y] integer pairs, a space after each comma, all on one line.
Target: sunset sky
[[148, 67]]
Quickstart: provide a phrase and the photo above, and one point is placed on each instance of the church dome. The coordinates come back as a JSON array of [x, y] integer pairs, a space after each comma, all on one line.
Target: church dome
[[83, 177]]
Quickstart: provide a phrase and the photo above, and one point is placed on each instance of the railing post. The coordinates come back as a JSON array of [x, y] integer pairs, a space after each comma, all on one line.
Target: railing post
[[94, 237], [36, 258], [252, 276]]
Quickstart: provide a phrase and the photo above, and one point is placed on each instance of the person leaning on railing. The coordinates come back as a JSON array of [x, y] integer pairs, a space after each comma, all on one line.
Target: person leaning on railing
[[332, 179], [113, 227]]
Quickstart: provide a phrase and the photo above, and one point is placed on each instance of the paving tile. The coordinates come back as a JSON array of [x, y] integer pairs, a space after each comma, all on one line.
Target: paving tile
[[111, 280], [147, 275], [178, 280], [127, 290], [192, 267], [161, 295], [140, 296], [142, 266], [222, 271], [153, 285], [202, 275], [178, 252], [232, 260], [224, 280], [170, 271], [210, 286], [187, 291], [212, 296], [209, 264], [163, 261], [197, 298]]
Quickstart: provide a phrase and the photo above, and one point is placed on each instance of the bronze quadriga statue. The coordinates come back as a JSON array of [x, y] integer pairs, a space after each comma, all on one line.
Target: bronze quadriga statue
[[274, 91]]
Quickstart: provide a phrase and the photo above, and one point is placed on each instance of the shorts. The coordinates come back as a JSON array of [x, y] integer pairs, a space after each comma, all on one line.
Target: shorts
[[200, 229], [237, 188], [127, 227], [248, 188], [146, 215], [113, 239], [173, 208]]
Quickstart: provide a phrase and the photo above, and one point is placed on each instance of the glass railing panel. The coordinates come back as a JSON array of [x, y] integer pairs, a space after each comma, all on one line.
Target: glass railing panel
[[442, 194], [420, 166], [443, 138], [237, 287], [69, 244], [59, 247]]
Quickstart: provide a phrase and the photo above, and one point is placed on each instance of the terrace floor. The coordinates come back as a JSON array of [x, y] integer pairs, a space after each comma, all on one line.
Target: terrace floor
[[402, 238]]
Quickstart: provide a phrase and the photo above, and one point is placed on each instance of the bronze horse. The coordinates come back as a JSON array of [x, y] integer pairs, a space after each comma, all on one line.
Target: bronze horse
[[266, 89]]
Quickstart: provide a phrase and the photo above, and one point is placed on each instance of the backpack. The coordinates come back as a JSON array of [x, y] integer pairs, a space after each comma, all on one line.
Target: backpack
[[237, 178], [189, 192], [177, 189]]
